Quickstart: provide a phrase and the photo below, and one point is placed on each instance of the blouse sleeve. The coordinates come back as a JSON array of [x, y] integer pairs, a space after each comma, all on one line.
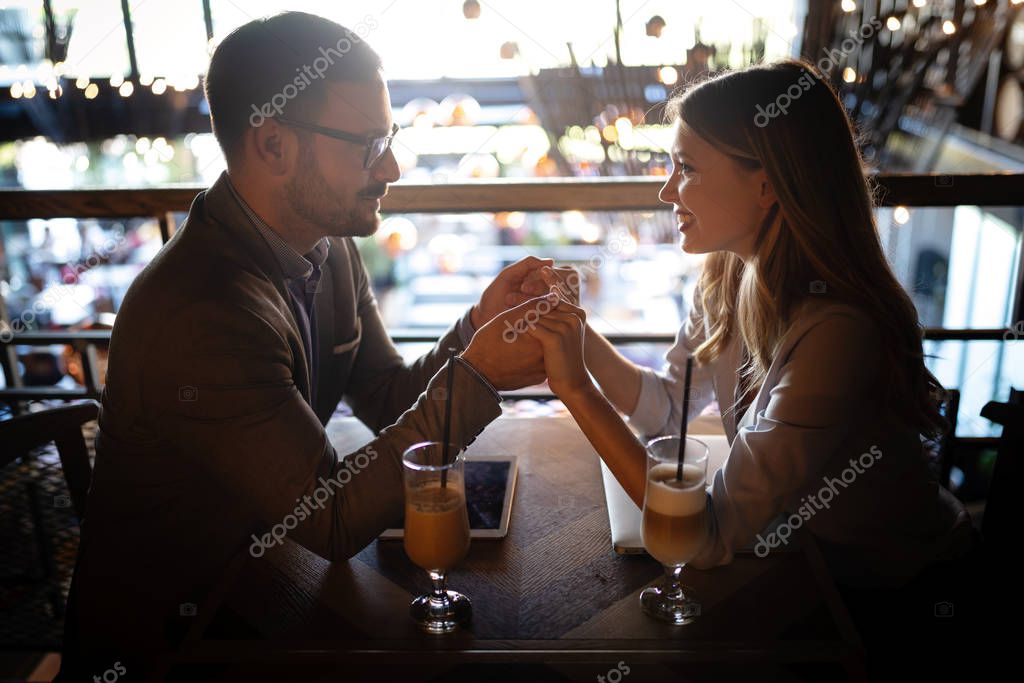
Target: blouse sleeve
[[660, 404]]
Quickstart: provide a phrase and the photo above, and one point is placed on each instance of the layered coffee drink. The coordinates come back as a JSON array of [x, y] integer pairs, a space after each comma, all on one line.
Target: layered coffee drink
[[673, 527], [436, 526]]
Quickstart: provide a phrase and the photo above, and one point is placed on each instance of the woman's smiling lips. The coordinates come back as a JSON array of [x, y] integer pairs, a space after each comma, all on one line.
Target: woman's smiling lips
[[685, 220]]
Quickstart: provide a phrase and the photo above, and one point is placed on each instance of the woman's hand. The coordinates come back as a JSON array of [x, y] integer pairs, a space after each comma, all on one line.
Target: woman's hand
[[560, 333]]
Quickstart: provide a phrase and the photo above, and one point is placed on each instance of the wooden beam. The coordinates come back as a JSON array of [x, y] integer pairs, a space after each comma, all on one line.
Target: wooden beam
[[563, 194]]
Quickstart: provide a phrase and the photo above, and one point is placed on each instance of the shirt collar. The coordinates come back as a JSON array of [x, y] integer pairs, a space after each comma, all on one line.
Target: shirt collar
[[294, 265]]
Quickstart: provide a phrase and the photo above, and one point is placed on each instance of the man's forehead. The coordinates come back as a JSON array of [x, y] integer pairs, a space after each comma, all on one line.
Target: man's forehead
[[361, 106]]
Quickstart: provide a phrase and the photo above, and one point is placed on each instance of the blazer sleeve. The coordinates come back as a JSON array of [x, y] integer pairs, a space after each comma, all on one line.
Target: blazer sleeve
[[659, 408], [234, 411], [824, 378], [381, 385]]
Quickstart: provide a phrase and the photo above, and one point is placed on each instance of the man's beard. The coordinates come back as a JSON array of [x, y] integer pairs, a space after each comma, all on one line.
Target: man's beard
[[310, 197]]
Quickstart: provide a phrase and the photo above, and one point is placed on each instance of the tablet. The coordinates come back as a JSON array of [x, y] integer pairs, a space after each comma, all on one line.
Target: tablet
[[490, 485]]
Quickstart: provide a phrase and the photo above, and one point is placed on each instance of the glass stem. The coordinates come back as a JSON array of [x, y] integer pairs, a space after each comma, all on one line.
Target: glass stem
[[673, 583], [438, 594]]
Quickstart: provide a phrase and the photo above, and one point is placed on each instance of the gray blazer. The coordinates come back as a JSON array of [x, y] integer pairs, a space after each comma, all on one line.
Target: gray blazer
[[812, 450], [208, 445]]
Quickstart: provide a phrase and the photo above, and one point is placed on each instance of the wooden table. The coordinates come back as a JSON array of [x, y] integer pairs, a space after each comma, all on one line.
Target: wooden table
[[552, 596]]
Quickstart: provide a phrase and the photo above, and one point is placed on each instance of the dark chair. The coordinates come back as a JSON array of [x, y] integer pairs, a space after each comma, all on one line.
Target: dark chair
[[999, 521], [942, 451], [950, 408], [22, 435]]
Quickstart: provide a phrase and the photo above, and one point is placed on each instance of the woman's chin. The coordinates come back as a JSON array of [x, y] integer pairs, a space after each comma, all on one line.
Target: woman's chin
[[690, 246]]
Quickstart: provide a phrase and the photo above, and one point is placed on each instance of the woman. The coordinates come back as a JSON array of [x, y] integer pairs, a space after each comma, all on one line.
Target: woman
[[799, 330]]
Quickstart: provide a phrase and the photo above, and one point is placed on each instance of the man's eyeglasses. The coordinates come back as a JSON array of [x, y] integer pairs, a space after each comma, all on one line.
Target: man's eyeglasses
[[375, 147]]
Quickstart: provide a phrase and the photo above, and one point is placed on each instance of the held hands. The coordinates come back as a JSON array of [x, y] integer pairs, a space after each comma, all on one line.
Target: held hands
[[560, 333], [507, 288], [542, 335], [508, 358]]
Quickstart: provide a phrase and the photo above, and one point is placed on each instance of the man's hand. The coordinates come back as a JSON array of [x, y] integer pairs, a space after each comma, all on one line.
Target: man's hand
[[505, 290], [565, 280], [504, 353]]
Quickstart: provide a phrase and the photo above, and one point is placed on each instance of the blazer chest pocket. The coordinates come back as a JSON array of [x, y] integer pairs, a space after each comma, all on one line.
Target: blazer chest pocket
[[350, 346]]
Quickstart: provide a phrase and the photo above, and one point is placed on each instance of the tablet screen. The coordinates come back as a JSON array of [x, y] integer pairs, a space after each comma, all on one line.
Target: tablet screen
[[490, 483]]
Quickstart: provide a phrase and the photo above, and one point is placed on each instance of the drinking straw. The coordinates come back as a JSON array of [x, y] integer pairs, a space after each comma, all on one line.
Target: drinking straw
[[686, 411], [447, 416]]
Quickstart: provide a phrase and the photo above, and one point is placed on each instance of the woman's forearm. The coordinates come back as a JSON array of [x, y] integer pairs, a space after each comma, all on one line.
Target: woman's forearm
[[611, 438], [617, 376]]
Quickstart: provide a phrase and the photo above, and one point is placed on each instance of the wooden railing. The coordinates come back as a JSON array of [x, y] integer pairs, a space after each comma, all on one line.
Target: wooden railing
[[601, 194]]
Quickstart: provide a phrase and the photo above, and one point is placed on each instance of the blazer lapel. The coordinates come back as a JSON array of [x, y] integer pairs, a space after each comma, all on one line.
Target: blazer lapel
[[243, 242], [324, 304]]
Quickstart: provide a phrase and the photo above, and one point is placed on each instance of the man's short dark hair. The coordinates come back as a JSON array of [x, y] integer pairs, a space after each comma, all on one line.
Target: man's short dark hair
[[278, 66]]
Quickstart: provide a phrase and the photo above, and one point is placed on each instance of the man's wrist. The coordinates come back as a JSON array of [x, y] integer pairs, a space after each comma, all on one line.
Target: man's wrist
[[474, 369]]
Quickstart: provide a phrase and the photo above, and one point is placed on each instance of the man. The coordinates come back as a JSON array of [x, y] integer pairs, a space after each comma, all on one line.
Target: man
[[234, 346]]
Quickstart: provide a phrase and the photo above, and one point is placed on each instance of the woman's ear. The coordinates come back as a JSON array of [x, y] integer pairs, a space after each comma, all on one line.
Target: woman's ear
[[766, 195]]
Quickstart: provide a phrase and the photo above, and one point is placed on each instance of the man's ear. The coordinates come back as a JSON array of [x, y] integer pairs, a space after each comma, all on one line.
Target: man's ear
[[766, 194], [268, 146]]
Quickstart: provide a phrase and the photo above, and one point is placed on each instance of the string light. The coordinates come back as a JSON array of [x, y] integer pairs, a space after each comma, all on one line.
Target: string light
[[849, 75], [920, 3], [893, 23], [159, 86], [668, 75], [91, 91], [948, 27], [126, 89], [82, 82], [16, 90], [901, 215], [849, 6], [116, 81], [28, 89]]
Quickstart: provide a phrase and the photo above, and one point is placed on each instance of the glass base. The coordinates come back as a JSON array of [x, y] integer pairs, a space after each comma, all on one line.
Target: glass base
[[441, 616], [673, 607]]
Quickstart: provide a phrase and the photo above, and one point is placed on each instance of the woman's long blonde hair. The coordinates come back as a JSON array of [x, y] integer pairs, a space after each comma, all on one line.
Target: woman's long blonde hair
[[821, 235]]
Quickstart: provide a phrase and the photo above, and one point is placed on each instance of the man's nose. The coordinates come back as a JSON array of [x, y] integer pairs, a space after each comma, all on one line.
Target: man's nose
[[386, 169]]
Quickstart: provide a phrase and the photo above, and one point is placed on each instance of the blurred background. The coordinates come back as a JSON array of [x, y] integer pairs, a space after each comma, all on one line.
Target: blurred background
[[107, 94]]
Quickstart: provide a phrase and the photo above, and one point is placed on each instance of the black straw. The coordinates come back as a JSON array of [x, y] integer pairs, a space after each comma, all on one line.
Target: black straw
[[447, 416], [686, 411]]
